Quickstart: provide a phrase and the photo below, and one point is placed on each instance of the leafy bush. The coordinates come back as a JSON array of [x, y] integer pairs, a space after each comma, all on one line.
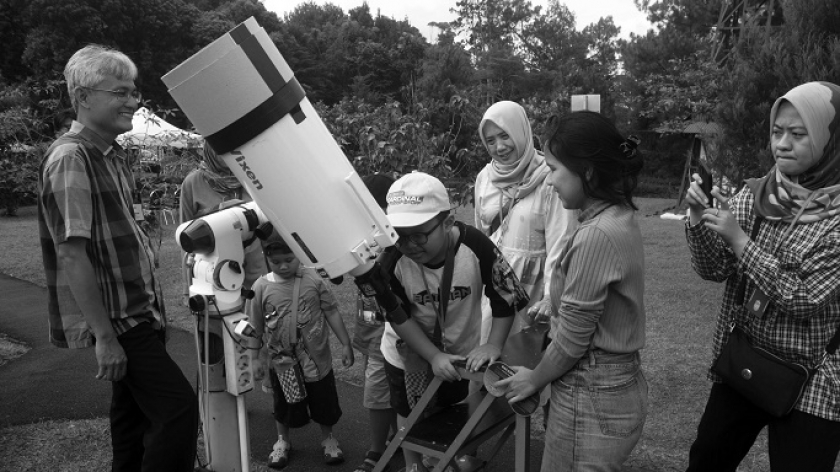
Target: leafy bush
[[19, 176]]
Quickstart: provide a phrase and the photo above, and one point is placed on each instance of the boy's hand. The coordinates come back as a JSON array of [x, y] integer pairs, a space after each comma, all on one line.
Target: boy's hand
[[347, 357], [374, 283], [258, 368], [484, 354], [442, 366]]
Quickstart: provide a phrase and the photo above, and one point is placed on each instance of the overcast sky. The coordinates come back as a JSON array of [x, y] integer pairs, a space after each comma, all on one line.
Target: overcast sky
[[420, 12]]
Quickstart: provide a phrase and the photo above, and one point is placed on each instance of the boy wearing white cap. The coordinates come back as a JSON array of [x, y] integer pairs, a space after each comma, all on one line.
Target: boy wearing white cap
[[426, 331]]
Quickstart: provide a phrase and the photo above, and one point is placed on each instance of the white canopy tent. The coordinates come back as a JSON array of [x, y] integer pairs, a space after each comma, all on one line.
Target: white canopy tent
[[152, 131]]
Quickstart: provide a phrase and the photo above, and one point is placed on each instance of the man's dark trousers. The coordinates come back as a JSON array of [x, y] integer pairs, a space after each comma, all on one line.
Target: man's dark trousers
[[154, 410]]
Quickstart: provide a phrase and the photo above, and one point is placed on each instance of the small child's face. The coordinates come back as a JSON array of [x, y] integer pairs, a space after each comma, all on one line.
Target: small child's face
[[284, 265]]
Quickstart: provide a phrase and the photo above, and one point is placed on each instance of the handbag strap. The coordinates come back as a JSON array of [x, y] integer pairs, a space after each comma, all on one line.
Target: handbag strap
[[833, 344], [499, 219], [293, 335]]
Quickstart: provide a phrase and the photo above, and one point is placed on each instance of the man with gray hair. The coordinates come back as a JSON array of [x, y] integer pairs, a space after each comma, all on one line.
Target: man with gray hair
[[100, 270]]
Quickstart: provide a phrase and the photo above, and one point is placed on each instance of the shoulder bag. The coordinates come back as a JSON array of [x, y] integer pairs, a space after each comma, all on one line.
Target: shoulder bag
[[288, 369], [768, 381]]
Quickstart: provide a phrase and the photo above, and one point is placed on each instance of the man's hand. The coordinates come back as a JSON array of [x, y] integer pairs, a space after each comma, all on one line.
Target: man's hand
[[113, 363], [484, 354], [442, 366]]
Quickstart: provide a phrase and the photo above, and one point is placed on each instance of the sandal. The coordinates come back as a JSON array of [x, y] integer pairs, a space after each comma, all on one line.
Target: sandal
[[332, 451], [371, 458]]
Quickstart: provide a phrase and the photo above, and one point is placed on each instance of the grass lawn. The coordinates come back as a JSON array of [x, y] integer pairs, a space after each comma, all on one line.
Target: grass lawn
[[680, 313]]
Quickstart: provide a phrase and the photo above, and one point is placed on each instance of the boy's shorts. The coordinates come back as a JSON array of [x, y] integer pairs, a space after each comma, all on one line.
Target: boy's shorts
[[377, 394], [449, 393], [320, 405]]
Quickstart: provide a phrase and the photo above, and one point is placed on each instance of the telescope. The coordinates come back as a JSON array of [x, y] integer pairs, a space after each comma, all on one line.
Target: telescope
[[243, 98]]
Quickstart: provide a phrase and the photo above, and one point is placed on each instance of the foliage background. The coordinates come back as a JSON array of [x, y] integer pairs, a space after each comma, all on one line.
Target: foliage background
[[395, 102]]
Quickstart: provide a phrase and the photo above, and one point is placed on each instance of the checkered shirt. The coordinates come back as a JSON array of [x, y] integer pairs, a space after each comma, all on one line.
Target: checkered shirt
[[800, 275], [84, 190]]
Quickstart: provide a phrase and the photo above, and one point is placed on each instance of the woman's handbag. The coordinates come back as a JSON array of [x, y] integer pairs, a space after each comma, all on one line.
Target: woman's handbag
[[287, 368], [768, 381]]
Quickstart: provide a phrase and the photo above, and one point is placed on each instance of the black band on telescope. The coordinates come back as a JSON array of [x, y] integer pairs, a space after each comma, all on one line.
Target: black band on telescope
[[283, 102], [252, 48], [285, 99]]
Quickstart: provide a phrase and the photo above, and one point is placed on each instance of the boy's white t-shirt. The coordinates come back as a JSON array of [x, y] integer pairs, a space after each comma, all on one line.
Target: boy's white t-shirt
[[479, 265]]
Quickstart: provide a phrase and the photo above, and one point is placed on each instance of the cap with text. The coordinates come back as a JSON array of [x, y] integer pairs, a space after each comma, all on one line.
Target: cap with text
[[416, 198]]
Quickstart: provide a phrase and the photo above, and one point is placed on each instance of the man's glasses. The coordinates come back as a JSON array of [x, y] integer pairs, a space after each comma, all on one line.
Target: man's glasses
[[417, 238], [122, 95]]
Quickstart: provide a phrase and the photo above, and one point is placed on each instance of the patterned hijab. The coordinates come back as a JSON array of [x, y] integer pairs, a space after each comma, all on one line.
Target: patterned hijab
[[527, 173], [217, 174], [815, 194]]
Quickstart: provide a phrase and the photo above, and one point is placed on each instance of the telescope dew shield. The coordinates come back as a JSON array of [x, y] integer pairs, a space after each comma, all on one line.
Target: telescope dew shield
[[243, 97]]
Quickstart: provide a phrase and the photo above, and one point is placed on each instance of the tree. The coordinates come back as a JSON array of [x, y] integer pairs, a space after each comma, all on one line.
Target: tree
[[763, 65], [13, 26], [156, 34], [445, 69], [335, 55]]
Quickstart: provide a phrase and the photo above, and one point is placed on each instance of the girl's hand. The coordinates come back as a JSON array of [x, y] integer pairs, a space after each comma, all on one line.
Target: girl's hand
[[518, 386]]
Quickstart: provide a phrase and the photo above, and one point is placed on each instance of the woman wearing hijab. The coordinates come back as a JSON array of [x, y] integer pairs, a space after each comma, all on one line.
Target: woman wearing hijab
[[777, 240], [516, 207], [211, 187]]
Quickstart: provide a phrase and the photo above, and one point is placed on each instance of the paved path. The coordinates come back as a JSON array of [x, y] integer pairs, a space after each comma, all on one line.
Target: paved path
[[48, 383]]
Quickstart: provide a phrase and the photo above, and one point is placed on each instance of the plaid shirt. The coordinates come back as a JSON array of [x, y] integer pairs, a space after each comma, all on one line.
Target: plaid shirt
[[85, 187], [800, 275]]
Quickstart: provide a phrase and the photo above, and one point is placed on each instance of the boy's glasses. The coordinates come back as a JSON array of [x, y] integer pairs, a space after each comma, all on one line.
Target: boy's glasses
[[122, 95], [417, 238]]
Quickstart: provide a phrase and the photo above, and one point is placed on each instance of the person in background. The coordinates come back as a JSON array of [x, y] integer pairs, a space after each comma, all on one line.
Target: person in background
[[270, 312], [598, 392], [370, 325], [211, 187], [63, 122], [517, 208], [793, 263], [100, 273]]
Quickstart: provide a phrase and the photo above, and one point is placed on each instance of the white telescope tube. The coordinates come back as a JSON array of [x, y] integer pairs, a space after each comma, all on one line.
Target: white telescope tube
[[243, 97]]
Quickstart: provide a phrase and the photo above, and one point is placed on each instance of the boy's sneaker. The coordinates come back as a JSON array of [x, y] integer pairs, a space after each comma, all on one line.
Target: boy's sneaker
[[332, 452], [279, 457]]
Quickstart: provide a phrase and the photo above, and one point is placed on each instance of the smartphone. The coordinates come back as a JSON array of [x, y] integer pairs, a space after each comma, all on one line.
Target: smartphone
[[706, 186]]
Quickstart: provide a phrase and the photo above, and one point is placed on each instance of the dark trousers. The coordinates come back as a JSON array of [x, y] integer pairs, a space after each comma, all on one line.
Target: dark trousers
[[730, 424], [154, 410]]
